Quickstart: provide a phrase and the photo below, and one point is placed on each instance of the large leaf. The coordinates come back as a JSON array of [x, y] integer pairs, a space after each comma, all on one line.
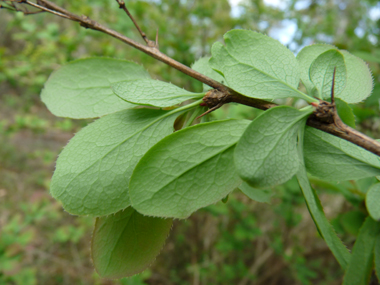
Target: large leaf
[[93, 171], [257, 66], [152, 93], [126, 243], [322, 70], [266, 154], [81, 89], [202, 66], [372, 201], [187, 170], [359, 269], [316, 211], [306, 57], [332, 158]]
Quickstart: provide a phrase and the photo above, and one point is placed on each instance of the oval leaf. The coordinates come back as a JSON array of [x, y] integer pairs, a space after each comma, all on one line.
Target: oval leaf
[[266, 154], [257, 66], [82, 88], [126, 243], [372, 201], [187, 170], [306, 57], [345, 112], [359, 79], [93, 171], [321, 73], [152, 93], [332, 158]]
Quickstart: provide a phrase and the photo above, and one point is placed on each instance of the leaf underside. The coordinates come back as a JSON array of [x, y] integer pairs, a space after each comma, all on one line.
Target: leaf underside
[[127, 242], [93, 171], [187, 170], [82, 88]]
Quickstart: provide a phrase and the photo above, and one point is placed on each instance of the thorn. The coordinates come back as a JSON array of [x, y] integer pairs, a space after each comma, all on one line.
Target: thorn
[[203, 104], [210, 110], [157, 39], [314, 104], [332, 87]]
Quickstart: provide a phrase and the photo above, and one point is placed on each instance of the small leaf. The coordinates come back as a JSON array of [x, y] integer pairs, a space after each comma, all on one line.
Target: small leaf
[[332, 158], [345, 112], [352, 221], [266, 154], [82, 88], [152, 93], [127, 242], [202, 66], [257, 66], [187, 170], [305, 58], [258, 195], [93, 171], [358, 271], [372, 200], [359, 79], [321, 73]]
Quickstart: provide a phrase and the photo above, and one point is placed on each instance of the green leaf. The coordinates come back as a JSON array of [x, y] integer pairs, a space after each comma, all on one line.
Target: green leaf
[[202, 66], [332, 158], [316, 211], [359, 79], [258, 195], [187, 170], [345, 112], [377, 258], [82, 88], [372, 200], [321, 73], [359, 269], [93, 171], [127, 242], [352, 221], [257, 66], [305, 58], [152, 93], [266, 154]]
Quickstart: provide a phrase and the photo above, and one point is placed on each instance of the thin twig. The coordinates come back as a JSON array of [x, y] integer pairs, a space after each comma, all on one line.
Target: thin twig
[[143, 35], [336, 127]]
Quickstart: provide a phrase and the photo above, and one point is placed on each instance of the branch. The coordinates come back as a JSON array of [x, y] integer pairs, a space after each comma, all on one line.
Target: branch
[[333, 125]]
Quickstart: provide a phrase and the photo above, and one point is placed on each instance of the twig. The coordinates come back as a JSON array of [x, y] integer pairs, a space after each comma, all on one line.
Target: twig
[[143, 35], [332, 126]]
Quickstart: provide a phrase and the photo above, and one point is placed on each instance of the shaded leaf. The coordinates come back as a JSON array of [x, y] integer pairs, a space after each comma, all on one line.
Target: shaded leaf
[[321, 73], [266, 154], [202, 66], [82, 88], [372, 200], [332, 158], [187, 170], [152, 93], [345, 113], [313, 203], [127, 242], [306, 57], [359, 269], [93, 171], [259, 195], [257, 66], [377, 258]]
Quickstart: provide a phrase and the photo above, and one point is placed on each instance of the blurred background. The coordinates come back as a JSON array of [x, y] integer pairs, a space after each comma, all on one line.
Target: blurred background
[[240, 242]]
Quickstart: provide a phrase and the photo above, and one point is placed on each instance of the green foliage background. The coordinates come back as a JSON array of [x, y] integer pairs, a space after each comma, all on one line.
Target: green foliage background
[[240, 242]]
